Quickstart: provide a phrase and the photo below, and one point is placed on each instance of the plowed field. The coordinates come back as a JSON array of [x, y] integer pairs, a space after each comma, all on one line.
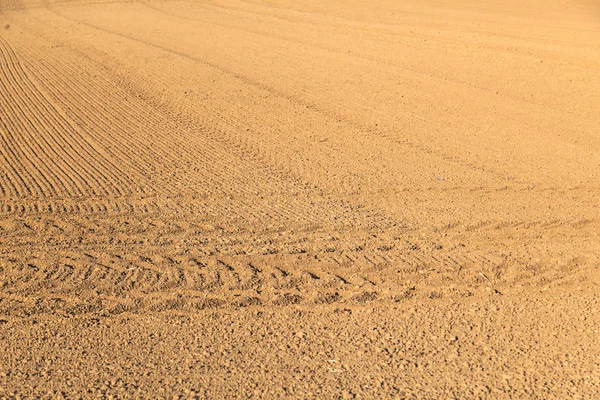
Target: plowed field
[[303, 198]]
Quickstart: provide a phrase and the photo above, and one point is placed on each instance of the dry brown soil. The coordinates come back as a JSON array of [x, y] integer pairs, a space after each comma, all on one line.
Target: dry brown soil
[[300, 198]]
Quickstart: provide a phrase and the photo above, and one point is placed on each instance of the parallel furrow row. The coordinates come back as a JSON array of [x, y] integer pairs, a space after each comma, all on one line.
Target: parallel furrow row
[[335, 110], [331, 116], [46, 154], [219, 178], [228, 122], [216, 180]]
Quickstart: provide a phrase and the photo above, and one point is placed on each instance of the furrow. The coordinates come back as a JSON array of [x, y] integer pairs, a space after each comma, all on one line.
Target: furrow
[[69, 145], [16, 122], [48, 152]]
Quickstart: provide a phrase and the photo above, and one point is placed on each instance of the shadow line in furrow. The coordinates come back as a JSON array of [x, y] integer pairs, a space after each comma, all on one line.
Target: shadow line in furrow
[[86, 206], [13, 181], [86, 108]]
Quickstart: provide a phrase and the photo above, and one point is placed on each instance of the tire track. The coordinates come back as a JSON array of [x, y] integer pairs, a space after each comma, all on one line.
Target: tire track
[[156, 280]]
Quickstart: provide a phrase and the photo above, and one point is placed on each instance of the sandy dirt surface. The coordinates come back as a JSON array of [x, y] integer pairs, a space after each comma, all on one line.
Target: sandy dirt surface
[[300, 198]]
